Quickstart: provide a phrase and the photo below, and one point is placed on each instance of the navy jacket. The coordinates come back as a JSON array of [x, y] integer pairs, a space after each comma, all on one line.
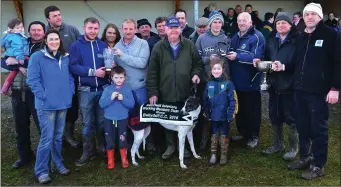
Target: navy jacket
[[251, 45], [85, 58], [317, 62], [220, 100]]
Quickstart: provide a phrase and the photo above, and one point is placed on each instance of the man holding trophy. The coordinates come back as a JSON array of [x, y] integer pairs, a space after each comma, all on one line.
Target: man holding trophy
[[280, 48]]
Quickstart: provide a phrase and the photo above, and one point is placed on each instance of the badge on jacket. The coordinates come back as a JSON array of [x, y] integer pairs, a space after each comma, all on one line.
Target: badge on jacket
[[318, 43]]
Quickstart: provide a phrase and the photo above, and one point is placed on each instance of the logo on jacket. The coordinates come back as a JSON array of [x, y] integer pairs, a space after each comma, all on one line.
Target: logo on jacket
[[222, 86], [319, 43], [243, 46]]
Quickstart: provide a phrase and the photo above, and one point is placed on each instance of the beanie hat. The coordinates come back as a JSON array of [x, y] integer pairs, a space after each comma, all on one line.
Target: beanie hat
[[313, 7], [284, 16], [215, 15], [201, 22], [143, 21]]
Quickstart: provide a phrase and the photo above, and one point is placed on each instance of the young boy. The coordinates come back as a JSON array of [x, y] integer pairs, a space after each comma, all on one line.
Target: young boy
[[117, 99], [16, 45]]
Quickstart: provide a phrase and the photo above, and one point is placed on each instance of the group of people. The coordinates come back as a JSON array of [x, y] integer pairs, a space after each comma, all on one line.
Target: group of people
[[66, 73]]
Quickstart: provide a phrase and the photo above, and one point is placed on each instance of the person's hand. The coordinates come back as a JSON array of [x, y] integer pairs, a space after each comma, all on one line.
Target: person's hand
[[231, 55], [100, 72], [11, 61], [153, 100], [117, 52], [277, 66], [196, 79], [332, 97], [120, 97], [21, 62], [23, 71], [114, 95], [255, 61]]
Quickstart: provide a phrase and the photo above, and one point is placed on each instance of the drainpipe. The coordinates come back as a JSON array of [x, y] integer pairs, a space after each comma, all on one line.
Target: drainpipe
[[195, 10]]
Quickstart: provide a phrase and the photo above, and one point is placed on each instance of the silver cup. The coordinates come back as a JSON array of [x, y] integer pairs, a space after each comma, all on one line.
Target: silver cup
[[264, 66], [108, 55]]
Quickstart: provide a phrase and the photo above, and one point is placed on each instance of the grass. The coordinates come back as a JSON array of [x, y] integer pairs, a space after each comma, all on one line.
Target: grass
[[247, 168]]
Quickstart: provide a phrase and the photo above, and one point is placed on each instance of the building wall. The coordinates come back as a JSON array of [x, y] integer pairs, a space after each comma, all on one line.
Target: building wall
[[261, 6]]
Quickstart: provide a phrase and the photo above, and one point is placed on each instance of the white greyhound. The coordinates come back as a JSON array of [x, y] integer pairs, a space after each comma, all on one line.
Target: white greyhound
[[192, 107]]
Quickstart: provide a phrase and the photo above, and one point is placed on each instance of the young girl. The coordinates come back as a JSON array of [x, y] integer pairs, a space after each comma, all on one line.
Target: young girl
[[117, 99], [16, 45], [220, 107]]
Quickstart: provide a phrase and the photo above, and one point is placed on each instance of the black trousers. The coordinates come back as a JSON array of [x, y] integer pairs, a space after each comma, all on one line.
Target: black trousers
[[248, 118], [311, 116], [281, 108], [23, 108]]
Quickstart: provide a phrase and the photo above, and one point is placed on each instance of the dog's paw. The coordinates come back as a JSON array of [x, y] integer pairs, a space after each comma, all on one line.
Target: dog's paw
[[183, 166], [136, 164], [197, 157], [142, 157]]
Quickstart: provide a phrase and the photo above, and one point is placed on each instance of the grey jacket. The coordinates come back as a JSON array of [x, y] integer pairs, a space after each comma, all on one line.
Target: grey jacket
[[134, 60], [68, 34], [208, 44]]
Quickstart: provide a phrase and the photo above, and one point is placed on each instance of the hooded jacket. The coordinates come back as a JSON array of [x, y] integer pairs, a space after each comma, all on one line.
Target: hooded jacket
[[16, 45], [208, 44], [50, 80], [85, 57], [251, 45]]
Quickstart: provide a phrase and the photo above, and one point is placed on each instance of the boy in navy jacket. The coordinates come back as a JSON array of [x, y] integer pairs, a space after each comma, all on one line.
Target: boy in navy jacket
[[117, 99]]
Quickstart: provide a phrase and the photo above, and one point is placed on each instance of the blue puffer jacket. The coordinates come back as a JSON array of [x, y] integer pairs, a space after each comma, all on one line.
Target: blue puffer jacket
[[50, 81], [16, 45], [249, 46], [85, 57], [220, 100]]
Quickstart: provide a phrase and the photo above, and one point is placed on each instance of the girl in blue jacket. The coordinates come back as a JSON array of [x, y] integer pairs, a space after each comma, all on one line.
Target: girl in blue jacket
[[53, 86], [220, 107], [116, 100]]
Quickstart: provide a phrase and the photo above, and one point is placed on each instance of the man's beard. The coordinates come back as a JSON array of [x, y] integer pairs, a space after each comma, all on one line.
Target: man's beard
[[86, 36]]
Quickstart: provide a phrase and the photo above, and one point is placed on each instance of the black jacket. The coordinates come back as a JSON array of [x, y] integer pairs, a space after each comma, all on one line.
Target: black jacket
[[331, 23], [187, 31], [152, 41], [281, 82], [317, 62], [230, 26]]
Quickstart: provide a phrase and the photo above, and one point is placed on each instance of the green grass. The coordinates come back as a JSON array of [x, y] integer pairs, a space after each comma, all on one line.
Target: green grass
[[245, 167]]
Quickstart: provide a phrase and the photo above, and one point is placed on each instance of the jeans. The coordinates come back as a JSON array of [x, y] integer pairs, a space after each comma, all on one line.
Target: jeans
[[23, 108], [91, 111], [222, 126], [115, 130], [52, 124]]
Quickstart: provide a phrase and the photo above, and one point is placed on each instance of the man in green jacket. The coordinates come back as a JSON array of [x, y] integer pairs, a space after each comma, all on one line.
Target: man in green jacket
[[174, 64]]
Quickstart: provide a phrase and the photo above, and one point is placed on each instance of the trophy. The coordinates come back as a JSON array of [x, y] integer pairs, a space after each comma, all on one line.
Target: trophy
[[109, 56], [264, 66]]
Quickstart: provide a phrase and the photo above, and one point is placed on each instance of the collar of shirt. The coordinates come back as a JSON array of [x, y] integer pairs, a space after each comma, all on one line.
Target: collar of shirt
[[280, 39], [130, 43]]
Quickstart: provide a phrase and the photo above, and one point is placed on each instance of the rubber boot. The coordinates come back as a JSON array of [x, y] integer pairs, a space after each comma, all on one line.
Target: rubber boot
[[8, 82], [277, 140], [205, 134], [69, 128], [293, 142], [100, 142], [214, 145], [170, 139], [224, 144], [87, 151], [111, 159], [125, 163]]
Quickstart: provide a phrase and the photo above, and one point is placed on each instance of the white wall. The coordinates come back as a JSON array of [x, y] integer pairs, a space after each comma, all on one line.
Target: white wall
[[74, 12], [261, 6]]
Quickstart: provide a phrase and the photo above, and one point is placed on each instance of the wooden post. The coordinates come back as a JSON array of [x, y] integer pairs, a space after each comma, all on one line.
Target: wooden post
[[19, 9], [177, 4]]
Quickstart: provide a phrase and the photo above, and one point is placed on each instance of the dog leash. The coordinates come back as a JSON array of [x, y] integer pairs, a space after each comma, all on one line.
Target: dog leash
[[194, 87]]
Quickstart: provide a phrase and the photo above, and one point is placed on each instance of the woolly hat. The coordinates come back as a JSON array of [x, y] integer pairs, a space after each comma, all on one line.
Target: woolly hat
[[143, 21], [284, 16], [313, 7], [215, 15]]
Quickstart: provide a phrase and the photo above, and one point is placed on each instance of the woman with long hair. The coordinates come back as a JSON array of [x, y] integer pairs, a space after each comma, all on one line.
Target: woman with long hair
[[111, 35]]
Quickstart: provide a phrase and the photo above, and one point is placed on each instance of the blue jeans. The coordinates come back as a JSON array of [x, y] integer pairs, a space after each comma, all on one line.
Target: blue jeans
[[222, 126], [91, 111], [51, 124]]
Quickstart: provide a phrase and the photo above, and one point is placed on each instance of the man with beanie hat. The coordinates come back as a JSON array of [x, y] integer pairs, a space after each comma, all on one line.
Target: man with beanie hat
[[317, 82], [212, 42], [201, 27], [281, 46], [144, 29]]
